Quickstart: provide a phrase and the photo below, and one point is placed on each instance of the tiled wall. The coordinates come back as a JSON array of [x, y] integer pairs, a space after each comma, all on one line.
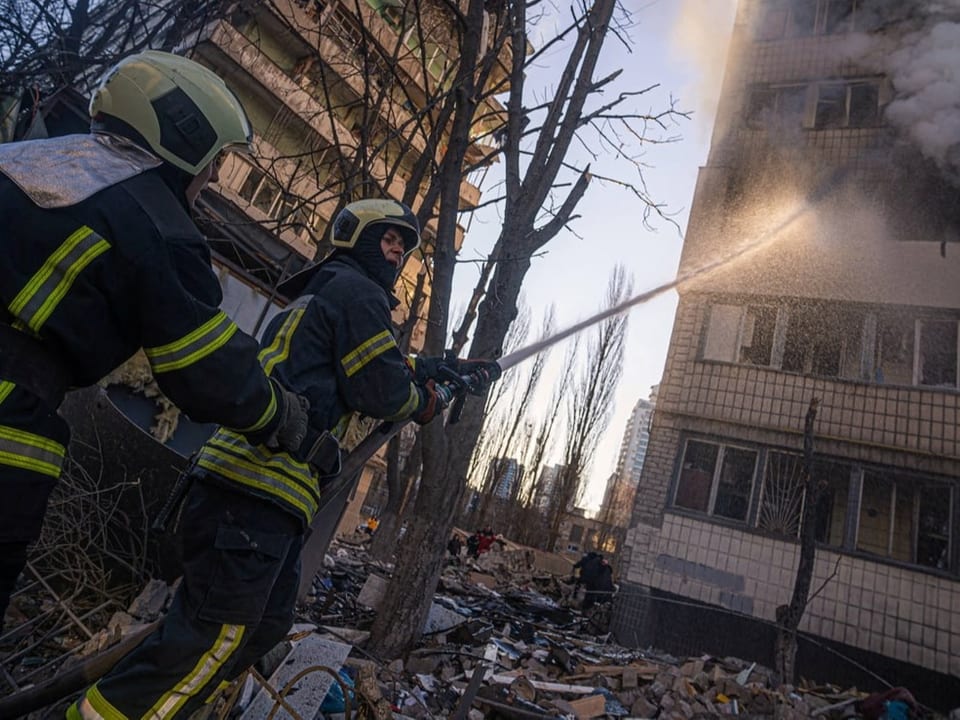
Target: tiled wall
[[906, 426], [907, 615]]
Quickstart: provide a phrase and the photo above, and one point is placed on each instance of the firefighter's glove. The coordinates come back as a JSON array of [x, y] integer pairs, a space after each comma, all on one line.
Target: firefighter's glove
[[482, 373], [291, 431], [433, 399]]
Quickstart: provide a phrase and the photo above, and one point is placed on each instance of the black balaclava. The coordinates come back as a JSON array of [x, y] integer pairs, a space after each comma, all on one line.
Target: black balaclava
[[369, 254]]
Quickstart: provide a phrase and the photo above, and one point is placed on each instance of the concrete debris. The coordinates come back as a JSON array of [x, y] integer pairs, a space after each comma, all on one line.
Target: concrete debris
[[504, 640], [302, 679]]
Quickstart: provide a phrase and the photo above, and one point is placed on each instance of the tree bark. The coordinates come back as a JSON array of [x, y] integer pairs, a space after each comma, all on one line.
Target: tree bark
[[399, 623], [789, 616]]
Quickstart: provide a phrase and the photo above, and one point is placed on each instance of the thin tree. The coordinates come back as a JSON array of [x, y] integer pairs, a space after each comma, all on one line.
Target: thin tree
[[789, 616], [589, 403]]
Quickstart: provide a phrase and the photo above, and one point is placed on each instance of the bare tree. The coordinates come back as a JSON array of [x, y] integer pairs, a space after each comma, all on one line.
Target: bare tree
[[531, 184], [590, 401], [790, 615]]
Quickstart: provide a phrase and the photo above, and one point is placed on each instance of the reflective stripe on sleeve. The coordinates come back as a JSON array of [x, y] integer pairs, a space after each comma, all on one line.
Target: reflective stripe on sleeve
[[354, 361], [409, 407], [34, 304], [279, 349], [36, 453], [193, 346], [6, 387]]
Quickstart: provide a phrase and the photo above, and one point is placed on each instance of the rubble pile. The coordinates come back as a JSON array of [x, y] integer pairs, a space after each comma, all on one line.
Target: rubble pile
[[503, 638]]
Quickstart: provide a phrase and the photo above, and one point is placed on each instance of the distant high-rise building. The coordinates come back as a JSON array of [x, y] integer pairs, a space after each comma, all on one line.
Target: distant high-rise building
[[622, 485], [508, 473]]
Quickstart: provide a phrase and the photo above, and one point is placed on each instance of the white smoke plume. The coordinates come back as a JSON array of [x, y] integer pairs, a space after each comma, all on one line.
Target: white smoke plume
[[924, 68]]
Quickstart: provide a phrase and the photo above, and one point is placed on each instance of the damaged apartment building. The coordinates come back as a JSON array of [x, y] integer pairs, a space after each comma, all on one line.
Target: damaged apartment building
[[819, 263]]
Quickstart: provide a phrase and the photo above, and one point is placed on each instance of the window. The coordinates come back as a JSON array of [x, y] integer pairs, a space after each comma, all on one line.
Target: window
[[823, 341], [716, 479], [741, 334], [772, 106], [906, 518], [937, 352], [783, 497], [576, 533], [802, 18], [847, 105], [756, 343], [894, 350], [265, 194]]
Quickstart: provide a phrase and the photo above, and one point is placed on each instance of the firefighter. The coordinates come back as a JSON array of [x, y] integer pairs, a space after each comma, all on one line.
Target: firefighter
[[247, 509], [98, 258]]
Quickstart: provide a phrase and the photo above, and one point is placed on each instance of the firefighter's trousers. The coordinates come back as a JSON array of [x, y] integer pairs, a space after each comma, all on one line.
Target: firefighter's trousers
[[33, 440], [241, 572]]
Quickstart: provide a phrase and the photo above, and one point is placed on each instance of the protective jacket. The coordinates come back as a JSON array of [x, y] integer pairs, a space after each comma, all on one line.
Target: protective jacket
[[98, 258], [334, 345]]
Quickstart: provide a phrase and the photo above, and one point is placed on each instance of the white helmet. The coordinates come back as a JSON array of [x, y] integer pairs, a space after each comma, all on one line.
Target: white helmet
[[184, 111]]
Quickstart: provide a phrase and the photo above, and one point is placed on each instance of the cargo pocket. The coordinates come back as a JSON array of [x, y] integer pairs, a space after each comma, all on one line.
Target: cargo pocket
[[246, 564]]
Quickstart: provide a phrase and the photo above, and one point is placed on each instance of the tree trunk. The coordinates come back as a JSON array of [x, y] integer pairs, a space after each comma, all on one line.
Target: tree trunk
[[789, 616], [400, 620]]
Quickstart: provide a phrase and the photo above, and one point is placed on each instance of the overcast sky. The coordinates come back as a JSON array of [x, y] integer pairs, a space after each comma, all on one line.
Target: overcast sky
[[679, 44]]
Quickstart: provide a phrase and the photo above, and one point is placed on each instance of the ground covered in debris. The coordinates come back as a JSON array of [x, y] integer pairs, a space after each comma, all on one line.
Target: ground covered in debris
[[503, 638]]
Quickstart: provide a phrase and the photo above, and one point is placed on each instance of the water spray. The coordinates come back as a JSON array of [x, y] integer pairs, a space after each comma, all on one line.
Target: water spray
[[739, 253]]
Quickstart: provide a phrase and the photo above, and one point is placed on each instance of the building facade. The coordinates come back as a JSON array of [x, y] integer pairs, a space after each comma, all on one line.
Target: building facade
[[817, 265]]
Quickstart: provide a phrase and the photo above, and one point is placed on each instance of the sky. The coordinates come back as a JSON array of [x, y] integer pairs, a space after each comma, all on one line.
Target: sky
[[680, 44]]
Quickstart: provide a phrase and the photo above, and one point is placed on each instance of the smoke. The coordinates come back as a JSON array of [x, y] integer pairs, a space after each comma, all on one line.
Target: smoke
[[926, 77], [701, 36], [920, 53]]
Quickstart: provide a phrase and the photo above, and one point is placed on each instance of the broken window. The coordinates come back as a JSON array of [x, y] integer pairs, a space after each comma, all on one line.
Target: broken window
[[716, 479], [802, 19], [906, 518], [937, 356], [837, 16], [781, 106], [847, 104], [696, 475], [759, 326], [894, 359], [823, 341], [781, 506]]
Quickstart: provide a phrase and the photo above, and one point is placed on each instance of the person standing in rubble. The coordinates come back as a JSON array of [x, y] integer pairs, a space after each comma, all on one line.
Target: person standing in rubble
[[99, 257], [248, 508]]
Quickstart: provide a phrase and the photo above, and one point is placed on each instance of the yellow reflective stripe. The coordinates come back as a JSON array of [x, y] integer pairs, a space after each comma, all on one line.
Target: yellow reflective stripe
[[254, 474], [279, 349], [34, 304], [207, 666], [19, 448], [354, 361], [407, 409], [6, 387], [103, 710], [267, 414], [216, 691], [192, 347]]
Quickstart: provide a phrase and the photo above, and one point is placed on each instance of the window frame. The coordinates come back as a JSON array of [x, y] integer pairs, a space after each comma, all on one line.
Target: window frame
[[715, 477]]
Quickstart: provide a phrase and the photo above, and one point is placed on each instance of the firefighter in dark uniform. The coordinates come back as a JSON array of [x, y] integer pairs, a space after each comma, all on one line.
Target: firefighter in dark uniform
[[98, 258], [245, 515]]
